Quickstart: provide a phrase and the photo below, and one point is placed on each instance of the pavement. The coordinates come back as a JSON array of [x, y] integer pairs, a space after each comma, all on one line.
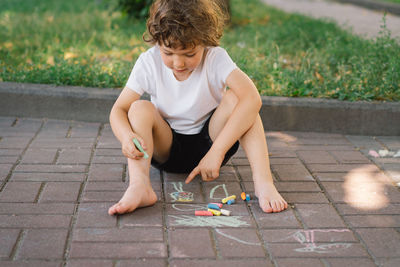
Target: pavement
[[360, 20], [58, 178]]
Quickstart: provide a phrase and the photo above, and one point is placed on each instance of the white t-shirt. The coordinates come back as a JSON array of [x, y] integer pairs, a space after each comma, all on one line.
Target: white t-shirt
[[185, 105]]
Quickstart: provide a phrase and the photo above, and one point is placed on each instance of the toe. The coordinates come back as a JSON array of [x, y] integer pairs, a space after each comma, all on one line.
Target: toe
[[113, 209], [266, 207]]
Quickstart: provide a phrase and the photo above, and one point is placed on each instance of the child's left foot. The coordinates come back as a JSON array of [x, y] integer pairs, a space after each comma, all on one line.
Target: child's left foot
[[269, 198]]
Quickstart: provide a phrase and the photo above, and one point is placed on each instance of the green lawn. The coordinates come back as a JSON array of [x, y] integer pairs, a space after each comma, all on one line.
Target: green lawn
[[84, 42]]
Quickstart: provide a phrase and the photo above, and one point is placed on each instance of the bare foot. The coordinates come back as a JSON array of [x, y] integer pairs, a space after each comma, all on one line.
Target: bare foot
[[269, 198], [136, 196]]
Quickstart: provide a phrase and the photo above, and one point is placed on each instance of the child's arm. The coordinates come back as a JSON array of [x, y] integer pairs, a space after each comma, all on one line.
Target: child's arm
[[241, 119], [120, 123]]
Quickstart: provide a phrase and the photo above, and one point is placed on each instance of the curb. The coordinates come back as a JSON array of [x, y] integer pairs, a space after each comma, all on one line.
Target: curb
[[375, 5], [277, 113]]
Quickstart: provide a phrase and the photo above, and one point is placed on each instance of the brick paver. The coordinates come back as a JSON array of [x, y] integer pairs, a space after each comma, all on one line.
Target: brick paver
[[58, 179]]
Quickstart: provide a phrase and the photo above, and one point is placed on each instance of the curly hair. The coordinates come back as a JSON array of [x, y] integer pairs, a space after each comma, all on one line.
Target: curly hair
[[185, 23]]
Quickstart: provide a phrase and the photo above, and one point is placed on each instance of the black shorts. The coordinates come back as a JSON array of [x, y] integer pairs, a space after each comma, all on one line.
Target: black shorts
[[187, 151]]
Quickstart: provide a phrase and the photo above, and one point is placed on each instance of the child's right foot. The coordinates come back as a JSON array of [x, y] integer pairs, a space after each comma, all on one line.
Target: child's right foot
[[136, 196]]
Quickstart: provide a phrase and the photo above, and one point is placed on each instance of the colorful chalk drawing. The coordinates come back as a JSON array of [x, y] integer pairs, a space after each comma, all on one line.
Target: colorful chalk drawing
[[307, 238], [188, 207], [215, 221], [236, 239], [179, 194]]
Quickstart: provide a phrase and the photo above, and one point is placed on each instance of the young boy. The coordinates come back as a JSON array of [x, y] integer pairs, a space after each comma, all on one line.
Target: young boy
[[192, 124]]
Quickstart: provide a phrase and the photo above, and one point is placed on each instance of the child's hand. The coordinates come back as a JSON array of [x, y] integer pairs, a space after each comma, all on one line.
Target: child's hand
[[208, 167], [129, 149]]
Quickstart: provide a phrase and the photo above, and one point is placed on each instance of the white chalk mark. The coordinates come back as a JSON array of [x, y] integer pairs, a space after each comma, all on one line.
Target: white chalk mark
[[307, 238], [215, 221], [236, 239], [215, 188], [189, 207]]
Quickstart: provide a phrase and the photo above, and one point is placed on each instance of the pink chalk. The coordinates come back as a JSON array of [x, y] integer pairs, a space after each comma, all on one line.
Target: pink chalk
[[203, 213], [218, 204]]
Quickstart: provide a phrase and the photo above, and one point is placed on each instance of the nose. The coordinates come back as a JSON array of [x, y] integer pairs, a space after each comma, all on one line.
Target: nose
[[179, 62]]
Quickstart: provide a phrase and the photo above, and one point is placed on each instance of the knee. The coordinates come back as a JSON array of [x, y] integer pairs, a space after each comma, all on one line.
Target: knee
[[141, 109]]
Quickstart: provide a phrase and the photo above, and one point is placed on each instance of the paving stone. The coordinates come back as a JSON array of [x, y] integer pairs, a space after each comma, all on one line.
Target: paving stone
[[216, 191], [35, 221], [366, 194], [4, 170], [58, 192], [84, 129], [8, 238], [143, 263], [392, 142], [239, 243], [39, 156], [108, 152], [37, 208], [316, 157], [176, 221], [148, 234], [182, 243], [108, 142], [149, 216], [95, 215], [338, 262], [350, 157], [10, 151], [48, 177], [239, 209], [381, 242], [180, 192], [381, 221], [220, 263], [389, 262], [246, 175], [108, 173], [52, 142], [364, 141], [296, 147], [8, 159], [285, 219], [74, 156], [20, 192], [388, 209], [45, 168], [281, 154], [109, 160], [32, 263], [342, 167], [305, 197], [39, 244], [106, 186], [299, 262], [10, 142], [90, 263], [130, 250], [343, 176], [292, 172], [319, 216], [308, 235], [284, 161], [316, 250]]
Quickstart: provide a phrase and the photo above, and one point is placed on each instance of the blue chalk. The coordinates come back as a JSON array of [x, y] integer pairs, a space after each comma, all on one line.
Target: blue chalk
[[213, 206], [247, 197], [230, 202]]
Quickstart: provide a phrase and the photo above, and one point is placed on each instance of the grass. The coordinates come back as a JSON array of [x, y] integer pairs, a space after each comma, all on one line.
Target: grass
[[85, 42]]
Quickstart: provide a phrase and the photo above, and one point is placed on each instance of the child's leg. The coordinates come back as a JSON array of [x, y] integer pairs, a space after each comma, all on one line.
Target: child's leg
[[255, 146], [146, 121]]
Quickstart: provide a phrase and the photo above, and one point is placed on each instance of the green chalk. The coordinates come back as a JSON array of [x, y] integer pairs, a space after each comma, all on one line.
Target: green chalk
[[137, 144]]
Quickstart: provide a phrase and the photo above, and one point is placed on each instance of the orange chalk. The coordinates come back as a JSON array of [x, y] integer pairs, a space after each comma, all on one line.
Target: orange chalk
[[243, 195]]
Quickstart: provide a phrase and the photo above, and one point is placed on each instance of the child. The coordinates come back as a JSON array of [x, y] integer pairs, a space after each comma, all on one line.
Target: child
[[192, 124]]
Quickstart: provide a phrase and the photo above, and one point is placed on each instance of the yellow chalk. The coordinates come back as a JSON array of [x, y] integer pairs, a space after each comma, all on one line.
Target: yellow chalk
[[228, 198], [215, 212]]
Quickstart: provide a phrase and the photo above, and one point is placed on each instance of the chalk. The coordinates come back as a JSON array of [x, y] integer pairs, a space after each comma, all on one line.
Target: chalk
[[247, 197], [137, 144], [226, 212], [230, 201], [213, 206], [203, 213], [228, 198], [215, 212], [218, 204], [243, 195], [373, 153]]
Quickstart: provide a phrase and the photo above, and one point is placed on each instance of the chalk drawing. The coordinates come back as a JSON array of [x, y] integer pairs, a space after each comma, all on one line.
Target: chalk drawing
[[189, 207], [236, 239], [215, 221], [212, 192], [179, 194], [307, 238]]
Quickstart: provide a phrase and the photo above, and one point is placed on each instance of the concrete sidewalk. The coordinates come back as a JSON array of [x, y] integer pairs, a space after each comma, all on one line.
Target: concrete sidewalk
[[361, 20], [58, 178]]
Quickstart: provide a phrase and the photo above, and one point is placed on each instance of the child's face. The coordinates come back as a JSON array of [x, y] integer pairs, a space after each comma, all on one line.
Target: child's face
[[182, 61]]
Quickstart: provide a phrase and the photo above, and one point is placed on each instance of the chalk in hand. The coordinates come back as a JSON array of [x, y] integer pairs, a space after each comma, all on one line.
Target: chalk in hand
[[137, 144]]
